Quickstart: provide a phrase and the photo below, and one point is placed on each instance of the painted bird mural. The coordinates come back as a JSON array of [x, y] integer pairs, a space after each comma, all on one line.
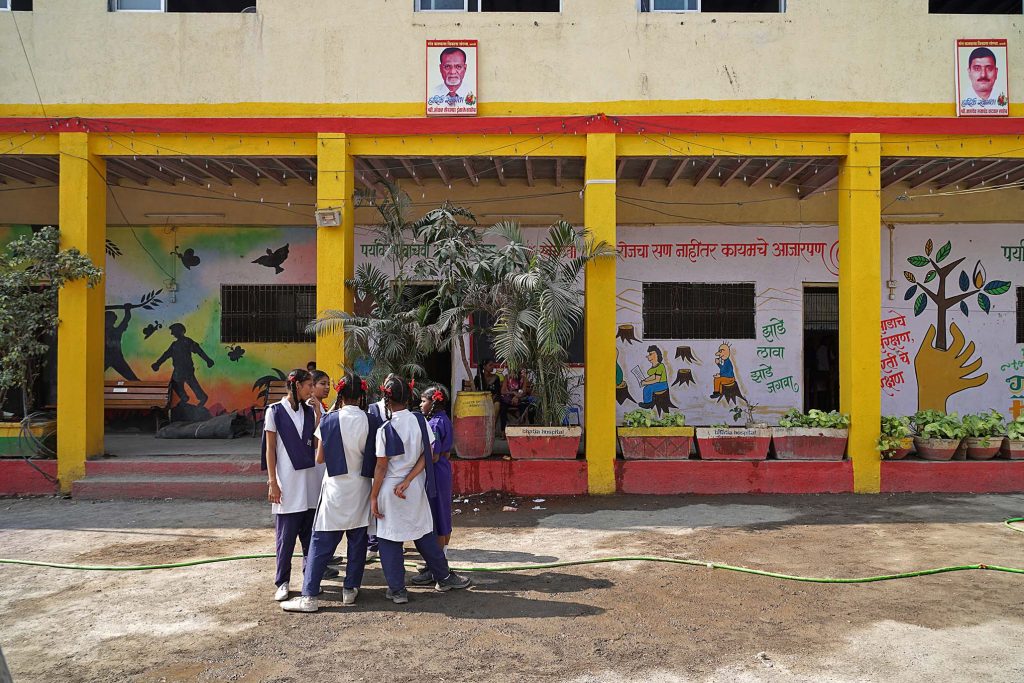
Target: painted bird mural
[[149, 329], [274, 259], [188, 257]]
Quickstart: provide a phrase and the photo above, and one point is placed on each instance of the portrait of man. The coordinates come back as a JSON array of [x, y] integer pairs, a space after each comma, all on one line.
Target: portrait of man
[[982, 70], [451, 78], [982, 65]]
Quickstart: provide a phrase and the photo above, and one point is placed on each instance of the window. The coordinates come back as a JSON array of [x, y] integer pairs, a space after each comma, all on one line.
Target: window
[[225, 6], [1020, 315], [688, 310], [975, 6], [5, 5], [763, 6], [488, 5], [481, 348], [266, 313]]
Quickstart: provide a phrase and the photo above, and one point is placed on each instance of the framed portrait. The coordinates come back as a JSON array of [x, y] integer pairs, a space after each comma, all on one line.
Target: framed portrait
[[982, 77], [451, 77]]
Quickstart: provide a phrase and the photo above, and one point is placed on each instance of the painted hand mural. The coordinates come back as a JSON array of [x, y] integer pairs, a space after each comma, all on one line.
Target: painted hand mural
[[942, 373]]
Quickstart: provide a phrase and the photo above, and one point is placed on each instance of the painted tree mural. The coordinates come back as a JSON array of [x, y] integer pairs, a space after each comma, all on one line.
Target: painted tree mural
[[943, 295]]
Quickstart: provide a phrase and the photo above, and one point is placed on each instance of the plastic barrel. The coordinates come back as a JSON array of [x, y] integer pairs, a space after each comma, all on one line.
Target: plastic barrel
[[474, 424]]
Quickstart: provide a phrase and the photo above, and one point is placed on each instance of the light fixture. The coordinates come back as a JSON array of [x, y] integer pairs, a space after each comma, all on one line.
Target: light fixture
[[327, 218], [180, 214]]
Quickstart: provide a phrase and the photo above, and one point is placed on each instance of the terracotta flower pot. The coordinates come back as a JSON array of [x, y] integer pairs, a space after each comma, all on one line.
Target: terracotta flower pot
[[655, 443], [976, 450], [936, 449], [733, 443], [543, 443], [809, 443], [905, 449], [1012, 450]]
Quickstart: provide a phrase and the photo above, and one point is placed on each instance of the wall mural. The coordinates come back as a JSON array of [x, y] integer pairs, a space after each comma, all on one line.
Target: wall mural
[[156, 334]]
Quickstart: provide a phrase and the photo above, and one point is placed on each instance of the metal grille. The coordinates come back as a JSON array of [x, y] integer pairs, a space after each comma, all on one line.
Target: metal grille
[[821, 309], [690, 310], [266, 313], [1020, 315]]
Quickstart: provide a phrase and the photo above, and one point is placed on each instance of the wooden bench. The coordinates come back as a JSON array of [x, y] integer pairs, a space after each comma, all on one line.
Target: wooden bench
[[152, 397], [275, 391]]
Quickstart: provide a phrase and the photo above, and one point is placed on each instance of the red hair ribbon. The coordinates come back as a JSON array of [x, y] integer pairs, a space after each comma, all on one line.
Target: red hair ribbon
[[384, 390], [340, 385], [362, 385], [412, 385], [438, 396], [292, 376]]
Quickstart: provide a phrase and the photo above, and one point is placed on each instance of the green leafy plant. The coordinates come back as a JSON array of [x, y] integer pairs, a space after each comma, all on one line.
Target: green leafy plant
[[895, 429], [815, 419], [34, 268], [984, 426], [942, 426], [923, 417], [1015, 428], [648, 418]]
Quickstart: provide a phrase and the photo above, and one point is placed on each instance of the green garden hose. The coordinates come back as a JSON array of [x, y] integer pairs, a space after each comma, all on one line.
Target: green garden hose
[[571, 563]]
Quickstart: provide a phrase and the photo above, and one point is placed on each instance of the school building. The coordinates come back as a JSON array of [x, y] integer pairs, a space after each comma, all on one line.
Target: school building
[[822, 188]]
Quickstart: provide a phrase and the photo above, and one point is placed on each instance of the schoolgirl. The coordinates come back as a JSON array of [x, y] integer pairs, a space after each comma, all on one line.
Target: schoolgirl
[[321, 388], [402, 481], [293, 477], [433, 404], [348, 439]]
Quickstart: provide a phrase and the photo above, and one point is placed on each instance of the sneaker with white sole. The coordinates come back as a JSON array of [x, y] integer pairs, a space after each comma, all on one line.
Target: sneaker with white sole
[[424, 578], [398, 597], [349, 595], [303, 603], [282, 593], [453, 582]]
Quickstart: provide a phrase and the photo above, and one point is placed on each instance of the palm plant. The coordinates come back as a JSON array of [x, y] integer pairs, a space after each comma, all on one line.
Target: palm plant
[[393, 336], [539, 304]]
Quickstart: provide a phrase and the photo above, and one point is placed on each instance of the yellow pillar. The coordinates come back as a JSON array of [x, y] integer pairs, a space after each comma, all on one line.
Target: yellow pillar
[[335, 247], [860, 304], [599, 391], [83, 225]]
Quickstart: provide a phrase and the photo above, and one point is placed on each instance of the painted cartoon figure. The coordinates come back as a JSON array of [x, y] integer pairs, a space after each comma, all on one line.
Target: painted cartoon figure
[[657, 376], [726, 376], [113, 355], [180, 353]]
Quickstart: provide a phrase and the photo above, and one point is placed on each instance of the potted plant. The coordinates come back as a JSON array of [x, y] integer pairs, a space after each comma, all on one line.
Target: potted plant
[[540, 304], [896, 440], [815, 435], [721, 442], [645, 436], [983, 435], [938, 434], [1013, 443]]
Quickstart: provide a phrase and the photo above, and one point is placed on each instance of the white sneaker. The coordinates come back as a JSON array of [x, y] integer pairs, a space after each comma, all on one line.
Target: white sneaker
[[303, 603], [282, 593], [348, 596]]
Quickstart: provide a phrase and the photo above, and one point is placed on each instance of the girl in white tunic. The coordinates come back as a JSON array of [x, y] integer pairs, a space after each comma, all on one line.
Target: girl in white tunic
[[347, 438], [293, 477], [401, 483]]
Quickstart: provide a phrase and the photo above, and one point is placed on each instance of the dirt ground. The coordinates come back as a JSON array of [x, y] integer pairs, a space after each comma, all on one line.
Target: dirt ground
[[615, 623]]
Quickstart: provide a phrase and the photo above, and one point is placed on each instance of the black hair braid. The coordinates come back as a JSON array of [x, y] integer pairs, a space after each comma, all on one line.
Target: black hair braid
[[295, 378], [395, 389], [435, 403]]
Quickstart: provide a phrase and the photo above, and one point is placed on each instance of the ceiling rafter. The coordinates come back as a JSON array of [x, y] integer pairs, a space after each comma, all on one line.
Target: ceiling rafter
[[471, 172], [706, 171], [441, 171], [648, 171], [769, 169], [676, 172], [411, 170]]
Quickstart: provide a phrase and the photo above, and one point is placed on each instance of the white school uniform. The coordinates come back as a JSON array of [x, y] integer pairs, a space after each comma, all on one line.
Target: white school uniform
[[408, 519], [345, 498], [300, 489]]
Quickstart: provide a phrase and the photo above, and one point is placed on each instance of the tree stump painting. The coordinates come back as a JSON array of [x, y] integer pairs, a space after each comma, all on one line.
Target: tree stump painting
[[622, 394], [684, 376], [663, 402], [686, 353], [731, 392], [627, 333]]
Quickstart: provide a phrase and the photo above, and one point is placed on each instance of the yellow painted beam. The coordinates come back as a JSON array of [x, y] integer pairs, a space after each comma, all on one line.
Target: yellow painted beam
[[335, 247], [971, 147], [202, 144], [80, 336], [710, 144], [548, 145], [860, 304], [599, 320], [30, 143]]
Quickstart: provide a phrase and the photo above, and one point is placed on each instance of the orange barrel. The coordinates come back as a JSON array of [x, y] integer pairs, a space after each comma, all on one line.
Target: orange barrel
[[473, 421]]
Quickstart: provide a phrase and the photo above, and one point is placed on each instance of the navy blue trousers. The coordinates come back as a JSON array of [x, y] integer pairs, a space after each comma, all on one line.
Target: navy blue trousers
[[393, 562], [322, 550], [289, 527]]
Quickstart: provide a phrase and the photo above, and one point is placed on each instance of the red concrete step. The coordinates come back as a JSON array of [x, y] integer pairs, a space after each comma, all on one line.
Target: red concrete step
[[149, 486], [173, 466]]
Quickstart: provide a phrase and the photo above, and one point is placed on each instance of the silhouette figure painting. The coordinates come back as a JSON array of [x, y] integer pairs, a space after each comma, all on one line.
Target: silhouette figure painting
[[149, 329], [180, 353], [113, 356], [188, 257], [235, 353], [274, 259]]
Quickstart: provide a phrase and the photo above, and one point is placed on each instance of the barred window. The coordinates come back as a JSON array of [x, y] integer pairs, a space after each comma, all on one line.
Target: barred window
[[266, 313], [691, 310]]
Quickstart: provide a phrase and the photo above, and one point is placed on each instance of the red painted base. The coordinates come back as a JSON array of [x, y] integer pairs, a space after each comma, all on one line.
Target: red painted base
[[525, 478], [17, 478], [994, 476], [767, 476]]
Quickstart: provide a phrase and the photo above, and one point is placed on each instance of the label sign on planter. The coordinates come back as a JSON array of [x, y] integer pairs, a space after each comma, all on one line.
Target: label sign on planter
[[734, 432]]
